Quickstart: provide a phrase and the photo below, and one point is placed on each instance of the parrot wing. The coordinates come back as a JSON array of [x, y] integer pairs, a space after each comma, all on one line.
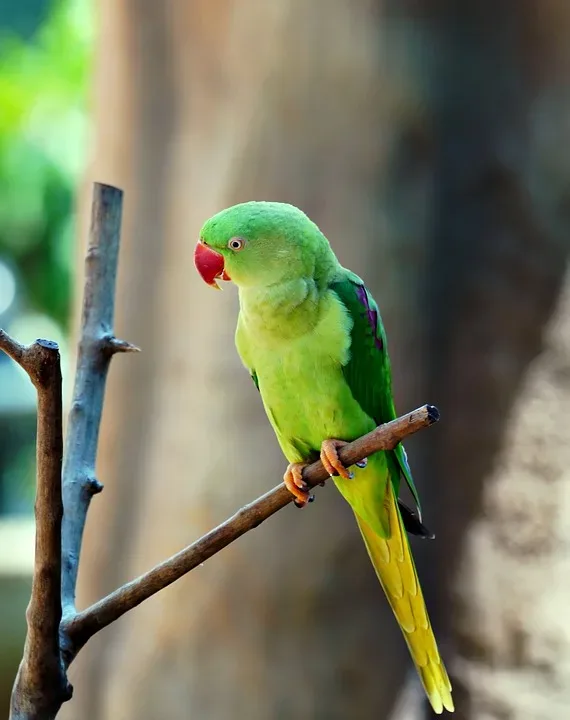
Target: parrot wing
[[368, 372], [368, 375]]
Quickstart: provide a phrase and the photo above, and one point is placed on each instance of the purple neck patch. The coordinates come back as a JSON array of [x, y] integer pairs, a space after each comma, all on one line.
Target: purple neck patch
[[371, 314]]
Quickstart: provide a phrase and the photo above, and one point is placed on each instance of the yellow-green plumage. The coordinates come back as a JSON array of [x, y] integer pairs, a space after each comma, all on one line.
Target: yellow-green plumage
[[395, 568], [312, 338]]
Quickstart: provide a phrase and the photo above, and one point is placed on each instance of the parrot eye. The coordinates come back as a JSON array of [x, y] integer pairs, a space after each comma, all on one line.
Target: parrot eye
[[236, 243]]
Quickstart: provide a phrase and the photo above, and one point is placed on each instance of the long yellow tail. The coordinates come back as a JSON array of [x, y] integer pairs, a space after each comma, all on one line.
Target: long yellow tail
[[396, 571]]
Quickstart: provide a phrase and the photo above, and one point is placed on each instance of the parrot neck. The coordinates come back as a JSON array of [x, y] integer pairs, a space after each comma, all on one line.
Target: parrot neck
[[285, 309], [291, 307]]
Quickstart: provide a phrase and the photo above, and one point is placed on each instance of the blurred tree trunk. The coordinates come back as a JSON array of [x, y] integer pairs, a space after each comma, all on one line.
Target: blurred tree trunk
[[514, 585], [496, 75], [198, 108], [425, 140]]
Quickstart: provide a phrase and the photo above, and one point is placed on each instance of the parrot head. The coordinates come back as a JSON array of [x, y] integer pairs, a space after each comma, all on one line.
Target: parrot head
[[257, 244]]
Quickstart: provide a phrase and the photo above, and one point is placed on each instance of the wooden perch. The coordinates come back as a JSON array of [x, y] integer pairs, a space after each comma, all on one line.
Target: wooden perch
[[88, 622], [56, 631]]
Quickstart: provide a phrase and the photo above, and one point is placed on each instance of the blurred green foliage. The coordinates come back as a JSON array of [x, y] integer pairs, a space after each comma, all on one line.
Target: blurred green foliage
[[43, 136], [23, 16], [45, 59]]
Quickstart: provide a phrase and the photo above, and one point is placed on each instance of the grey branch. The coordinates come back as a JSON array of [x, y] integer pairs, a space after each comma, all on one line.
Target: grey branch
[[41, 685], [82, 626], [96, 347]]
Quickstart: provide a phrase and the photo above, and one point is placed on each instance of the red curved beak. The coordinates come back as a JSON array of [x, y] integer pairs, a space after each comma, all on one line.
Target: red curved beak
[[210, 265]]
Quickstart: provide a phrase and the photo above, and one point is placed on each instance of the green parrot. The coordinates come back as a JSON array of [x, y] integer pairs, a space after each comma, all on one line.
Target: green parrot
[[312, 338]]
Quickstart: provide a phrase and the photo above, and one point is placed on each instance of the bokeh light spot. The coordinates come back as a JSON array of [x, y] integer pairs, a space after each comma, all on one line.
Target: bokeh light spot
[[7, 287]]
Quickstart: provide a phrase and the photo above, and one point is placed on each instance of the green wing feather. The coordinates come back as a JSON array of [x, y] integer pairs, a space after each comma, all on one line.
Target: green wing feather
[[369, 377], [368, 372]]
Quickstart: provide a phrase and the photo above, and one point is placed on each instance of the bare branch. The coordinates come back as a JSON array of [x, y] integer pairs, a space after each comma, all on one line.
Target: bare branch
[[82, 626], [53, 639], [41, 685], [96, 347], [14, 350]]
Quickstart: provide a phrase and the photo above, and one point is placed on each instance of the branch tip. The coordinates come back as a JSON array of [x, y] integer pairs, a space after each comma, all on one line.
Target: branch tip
[[12, 348], [433, 414], [47, 344], [114, 345], [93, 486]]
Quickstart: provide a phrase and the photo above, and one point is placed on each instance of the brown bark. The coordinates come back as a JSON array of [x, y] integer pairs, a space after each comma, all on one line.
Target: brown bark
[[40, 685]]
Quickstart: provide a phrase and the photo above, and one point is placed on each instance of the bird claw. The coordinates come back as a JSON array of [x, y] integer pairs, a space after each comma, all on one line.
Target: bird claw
[[301, 505], [293, 479], [331, 460]]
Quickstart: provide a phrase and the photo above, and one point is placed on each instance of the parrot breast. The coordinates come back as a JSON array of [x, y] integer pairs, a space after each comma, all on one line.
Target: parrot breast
[[301, 381]]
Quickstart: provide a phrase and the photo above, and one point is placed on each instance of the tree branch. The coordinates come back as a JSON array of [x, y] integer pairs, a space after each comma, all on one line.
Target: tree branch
[[96, 347], [53, 638], [41, 685], [82, 626]]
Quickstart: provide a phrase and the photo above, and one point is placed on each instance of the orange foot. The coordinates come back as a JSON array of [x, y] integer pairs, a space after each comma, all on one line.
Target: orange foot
[[294, 482], [331, 460]]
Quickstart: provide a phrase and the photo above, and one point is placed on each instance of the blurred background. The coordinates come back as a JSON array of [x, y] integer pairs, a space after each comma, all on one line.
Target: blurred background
[[429, 140], [46, 51]]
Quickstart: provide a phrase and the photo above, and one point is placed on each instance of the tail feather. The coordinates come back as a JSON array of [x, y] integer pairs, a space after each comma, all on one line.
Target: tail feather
[[396, 571]]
